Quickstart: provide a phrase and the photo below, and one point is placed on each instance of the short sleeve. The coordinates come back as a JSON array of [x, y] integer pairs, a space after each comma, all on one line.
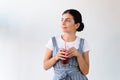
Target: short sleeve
[[85, 46], [49, 44]]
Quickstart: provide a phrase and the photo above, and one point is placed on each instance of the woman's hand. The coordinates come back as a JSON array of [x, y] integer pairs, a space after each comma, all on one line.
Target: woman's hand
[[72, 52], [61, 54]]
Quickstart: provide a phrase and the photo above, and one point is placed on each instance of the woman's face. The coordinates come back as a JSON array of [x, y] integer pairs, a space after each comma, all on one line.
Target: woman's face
[[68, 24]]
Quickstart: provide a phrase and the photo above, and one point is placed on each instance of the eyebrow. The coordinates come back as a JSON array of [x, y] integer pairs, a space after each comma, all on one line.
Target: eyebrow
[[66, 18]]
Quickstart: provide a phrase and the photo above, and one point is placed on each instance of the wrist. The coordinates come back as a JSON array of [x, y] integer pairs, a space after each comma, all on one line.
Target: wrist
[[78, 55], [55, 58]]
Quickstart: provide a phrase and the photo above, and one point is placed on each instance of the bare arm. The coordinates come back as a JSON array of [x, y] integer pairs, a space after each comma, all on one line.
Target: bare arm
[[50, 60], [82, 59]]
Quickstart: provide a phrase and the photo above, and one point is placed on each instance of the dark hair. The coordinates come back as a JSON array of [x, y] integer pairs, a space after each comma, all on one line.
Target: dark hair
[[77, 18]]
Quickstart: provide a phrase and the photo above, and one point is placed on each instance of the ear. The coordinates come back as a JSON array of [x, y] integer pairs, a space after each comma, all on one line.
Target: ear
[[77, 25]]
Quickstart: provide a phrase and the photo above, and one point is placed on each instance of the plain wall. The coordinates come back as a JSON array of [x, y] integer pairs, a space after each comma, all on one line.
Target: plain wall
[[27, 25]]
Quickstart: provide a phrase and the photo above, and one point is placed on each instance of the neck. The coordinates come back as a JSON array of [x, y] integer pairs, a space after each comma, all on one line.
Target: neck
[[68, 37]]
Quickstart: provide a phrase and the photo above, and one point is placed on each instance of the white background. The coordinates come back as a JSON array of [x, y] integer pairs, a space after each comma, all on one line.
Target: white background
[[27, 25]]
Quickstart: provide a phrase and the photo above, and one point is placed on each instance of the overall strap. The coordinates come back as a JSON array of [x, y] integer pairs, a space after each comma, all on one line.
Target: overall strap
[[81, 45], [55, 47]]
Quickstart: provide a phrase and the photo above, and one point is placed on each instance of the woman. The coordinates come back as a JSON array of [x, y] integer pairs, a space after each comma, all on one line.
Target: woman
[[68, 53]]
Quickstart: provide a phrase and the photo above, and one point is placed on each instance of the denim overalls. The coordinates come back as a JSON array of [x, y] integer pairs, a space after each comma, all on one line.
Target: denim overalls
[[69, 71]]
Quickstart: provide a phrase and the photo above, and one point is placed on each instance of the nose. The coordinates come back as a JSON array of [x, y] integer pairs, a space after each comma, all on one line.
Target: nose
[[63, 22]]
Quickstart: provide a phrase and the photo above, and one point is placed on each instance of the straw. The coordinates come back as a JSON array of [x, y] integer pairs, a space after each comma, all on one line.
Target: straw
[[65, 45]]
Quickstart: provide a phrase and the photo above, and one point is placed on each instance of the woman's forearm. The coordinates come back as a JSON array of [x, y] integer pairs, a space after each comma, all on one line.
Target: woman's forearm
[[49, 63], [83, 65]]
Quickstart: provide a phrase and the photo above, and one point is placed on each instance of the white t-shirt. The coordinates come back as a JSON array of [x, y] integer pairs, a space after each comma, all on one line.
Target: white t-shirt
[[61, 43]]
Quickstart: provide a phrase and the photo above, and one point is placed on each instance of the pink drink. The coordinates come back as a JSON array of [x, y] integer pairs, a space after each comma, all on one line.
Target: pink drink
[[65, 61]]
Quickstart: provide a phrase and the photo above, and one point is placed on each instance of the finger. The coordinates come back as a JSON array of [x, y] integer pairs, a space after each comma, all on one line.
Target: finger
[[61, 50], [67, 56], [70, 49], [70, 55], [63, 53], [62, 58]]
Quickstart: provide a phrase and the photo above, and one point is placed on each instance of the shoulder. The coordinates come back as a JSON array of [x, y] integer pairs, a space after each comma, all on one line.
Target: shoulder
[[53, 38], [57, 38], [80, 38], [85, 44], [51, 41]]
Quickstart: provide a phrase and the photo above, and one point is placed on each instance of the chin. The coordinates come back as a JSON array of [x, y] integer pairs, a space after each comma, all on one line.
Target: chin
[[65, 31]]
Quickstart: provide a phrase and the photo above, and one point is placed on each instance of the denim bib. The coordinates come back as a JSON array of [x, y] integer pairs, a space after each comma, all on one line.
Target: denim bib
[[69, 71]]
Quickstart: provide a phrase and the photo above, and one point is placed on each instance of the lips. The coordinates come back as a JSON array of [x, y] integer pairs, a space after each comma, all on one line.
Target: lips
[[64, 27]]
